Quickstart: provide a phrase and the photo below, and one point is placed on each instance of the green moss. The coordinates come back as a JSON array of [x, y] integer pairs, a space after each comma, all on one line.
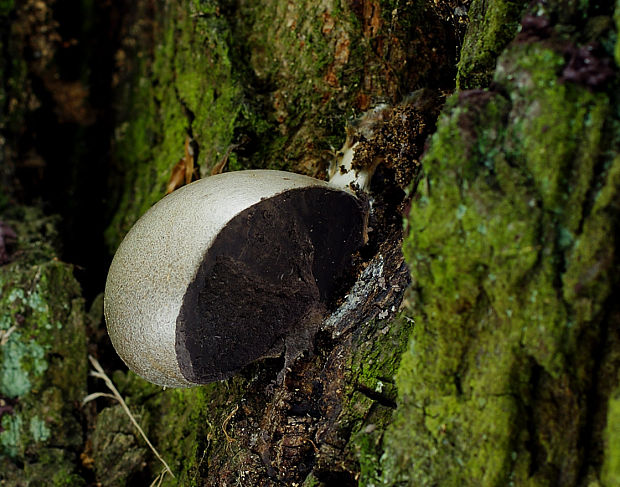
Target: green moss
[[36, 232], [511, 258], [66, 478], [185, 425], [617, 21], [197, 437], [43, 358], [278, 79], [297, 60], [119, 452], [187, 88], [589, 275], [311, 481], [193, 433], [368, 408], [611, 470], [214, 101], [55, 468], [10, 437], [6, 6], [492, 25]]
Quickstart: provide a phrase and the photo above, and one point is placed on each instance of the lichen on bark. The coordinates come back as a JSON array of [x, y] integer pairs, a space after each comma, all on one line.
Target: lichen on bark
[[42, 358]]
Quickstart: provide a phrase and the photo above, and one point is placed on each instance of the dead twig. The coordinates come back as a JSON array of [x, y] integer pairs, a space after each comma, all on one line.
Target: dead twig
[[5, 334], [100, 374], [159, 479], [225, 423]]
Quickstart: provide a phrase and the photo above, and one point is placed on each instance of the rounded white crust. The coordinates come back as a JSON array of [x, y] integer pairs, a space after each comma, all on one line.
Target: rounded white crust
[[159, 257]]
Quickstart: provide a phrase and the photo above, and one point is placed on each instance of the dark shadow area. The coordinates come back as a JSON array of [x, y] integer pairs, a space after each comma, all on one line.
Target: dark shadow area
[[64, 148]]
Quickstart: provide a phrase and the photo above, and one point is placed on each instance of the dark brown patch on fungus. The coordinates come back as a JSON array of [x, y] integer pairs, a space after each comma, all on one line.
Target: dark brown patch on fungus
[[272, 268]]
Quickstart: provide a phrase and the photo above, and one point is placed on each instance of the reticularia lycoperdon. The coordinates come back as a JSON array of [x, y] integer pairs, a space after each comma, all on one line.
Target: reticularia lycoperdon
[[216, 275]]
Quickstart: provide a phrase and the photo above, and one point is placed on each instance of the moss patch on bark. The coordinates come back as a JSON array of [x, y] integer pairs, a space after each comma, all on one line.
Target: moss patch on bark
[[611, 469], [261, 84], [512, 251], [42, 358], [491, 27], [177, 83]]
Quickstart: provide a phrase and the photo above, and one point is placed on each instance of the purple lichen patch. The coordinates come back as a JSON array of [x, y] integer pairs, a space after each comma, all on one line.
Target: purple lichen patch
[[587, 65], [534, 28]]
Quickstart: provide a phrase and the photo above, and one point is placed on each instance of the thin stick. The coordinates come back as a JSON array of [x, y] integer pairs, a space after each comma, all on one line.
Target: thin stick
[[100, 374], [159, 479], [225, 423], [5, 334]]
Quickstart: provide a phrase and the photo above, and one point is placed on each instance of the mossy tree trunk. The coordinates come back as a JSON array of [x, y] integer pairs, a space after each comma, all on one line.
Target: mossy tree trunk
[[490, 358]]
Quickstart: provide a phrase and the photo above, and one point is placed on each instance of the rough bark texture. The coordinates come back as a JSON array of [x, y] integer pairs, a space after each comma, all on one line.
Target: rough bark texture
[[512, 249], [499, 363]]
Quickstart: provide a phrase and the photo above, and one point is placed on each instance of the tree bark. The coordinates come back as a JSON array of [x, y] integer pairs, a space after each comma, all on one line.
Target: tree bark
[[478, 345]]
